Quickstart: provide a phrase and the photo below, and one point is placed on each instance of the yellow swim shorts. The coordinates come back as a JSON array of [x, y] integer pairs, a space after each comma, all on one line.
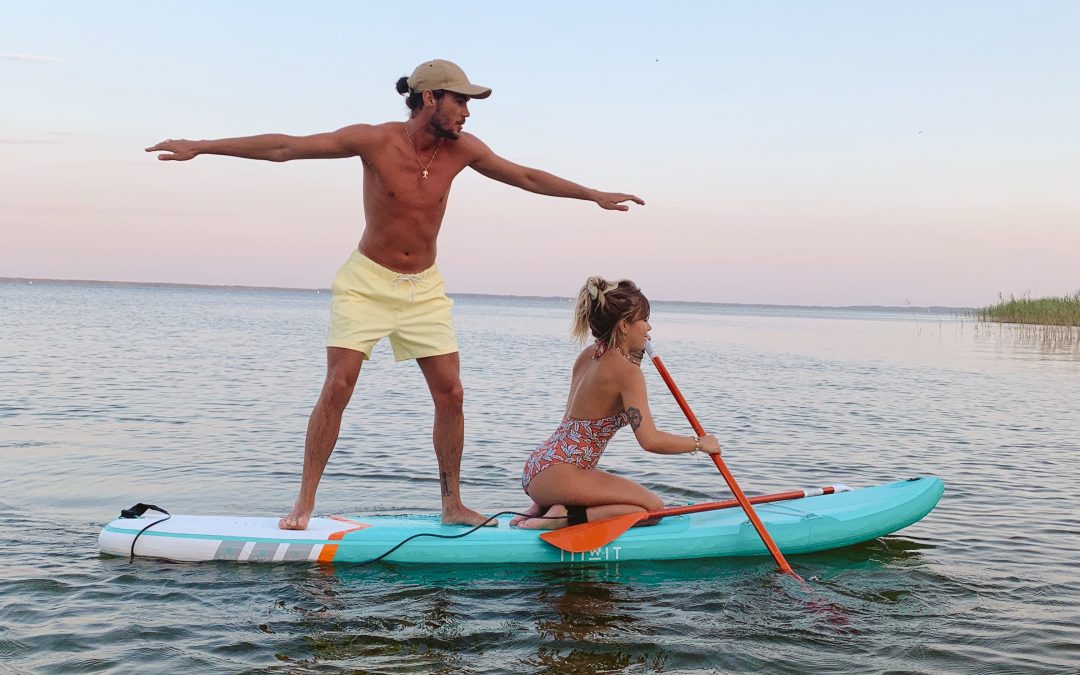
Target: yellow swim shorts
[[370, 302]]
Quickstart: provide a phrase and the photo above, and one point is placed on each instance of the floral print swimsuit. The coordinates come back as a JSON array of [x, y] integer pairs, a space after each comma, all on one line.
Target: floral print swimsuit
[[577, 442]]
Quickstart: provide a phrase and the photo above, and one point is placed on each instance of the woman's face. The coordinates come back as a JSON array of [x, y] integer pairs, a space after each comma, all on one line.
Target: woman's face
[[637, 334]]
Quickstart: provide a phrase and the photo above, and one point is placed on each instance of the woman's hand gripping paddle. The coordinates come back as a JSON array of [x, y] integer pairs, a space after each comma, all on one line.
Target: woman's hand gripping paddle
[[735, 490], [594, 534]]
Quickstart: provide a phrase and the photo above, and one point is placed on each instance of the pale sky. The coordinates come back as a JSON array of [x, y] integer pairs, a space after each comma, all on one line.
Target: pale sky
[[828, 153]]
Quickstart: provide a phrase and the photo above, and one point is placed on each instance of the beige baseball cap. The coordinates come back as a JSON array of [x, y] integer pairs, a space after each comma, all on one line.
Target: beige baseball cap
[[440, 74]]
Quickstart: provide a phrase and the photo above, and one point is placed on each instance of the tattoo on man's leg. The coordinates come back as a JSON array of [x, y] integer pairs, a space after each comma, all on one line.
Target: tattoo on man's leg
[[445, 483], [634, 415]]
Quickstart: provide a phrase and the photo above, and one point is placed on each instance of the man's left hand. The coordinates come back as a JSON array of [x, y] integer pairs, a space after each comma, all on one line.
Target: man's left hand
[[613, 201]]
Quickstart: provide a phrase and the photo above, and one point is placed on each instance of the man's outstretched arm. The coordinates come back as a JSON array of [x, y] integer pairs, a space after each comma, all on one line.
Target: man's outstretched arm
[[541, 182], [347, 142]]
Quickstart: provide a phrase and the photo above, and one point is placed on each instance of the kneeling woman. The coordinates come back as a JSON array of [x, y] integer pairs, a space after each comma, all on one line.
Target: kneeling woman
[[607, 392]]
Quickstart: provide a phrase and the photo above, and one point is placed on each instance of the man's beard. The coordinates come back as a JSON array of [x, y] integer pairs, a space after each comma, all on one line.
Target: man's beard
[[443, 132]]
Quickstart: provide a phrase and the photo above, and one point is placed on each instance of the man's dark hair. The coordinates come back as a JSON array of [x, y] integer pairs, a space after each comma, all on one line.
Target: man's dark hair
[[415, 100]]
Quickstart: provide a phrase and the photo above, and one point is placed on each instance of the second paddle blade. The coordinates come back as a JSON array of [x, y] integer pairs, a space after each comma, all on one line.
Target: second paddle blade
[[591, 536]]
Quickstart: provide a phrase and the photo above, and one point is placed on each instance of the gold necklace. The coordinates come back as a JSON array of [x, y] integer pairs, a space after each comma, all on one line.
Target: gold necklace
[[423, 167], [632, 357]]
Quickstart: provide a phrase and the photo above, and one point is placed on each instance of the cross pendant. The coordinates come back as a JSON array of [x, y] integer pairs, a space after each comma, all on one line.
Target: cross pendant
[[425, 173]]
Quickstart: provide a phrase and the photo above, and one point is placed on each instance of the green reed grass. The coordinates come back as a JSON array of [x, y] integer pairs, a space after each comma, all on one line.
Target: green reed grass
[[1063, 311]]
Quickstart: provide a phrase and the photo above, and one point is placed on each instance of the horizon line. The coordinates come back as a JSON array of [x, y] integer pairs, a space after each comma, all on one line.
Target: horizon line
[[244, 287]]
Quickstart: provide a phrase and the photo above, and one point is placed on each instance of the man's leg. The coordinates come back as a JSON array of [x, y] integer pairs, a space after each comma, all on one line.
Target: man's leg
[[444, 380], [342, 370]]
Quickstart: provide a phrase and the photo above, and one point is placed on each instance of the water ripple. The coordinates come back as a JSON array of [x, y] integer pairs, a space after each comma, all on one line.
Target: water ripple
[[986, 583]]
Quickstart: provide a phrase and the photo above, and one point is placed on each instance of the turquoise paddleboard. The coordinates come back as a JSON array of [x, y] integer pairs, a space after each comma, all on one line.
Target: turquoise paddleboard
[[802, 525]]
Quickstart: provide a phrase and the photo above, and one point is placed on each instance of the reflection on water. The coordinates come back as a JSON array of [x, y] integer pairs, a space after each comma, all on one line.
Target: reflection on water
[[1043, 341], [197, 400], [584, 623], [588, 618]]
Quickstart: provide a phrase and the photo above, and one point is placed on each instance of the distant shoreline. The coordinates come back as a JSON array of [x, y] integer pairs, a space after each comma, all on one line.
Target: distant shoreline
[[933, 309]]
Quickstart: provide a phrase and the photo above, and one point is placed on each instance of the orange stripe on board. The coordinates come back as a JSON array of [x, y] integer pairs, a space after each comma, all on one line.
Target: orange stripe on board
[[328, 550], [343, 519]]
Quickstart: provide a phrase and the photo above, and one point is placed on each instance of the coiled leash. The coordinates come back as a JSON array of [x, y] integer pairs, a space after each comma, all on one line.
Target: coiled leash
[[136, 512]]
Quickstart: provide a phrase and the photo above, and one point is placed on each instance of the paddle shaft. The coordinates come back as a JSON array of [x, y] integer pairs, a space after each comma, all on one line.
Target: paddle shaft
[[732, 485], [731, 503]]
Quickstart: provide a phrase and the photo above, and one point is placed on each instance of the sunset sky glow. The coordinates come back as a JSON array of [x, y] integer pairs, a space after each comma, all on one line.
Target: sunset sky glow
[[826, 153]]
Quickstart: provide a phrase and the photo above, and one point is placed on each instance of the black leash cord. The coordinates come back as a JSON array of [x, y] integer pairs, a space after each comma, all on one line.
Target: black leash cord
[[136, 512], [455, 536]]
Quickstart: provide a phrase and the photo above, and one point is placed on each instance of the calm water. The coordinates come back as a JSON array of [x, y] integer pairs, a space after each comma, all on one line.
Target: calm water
[[197, 400]]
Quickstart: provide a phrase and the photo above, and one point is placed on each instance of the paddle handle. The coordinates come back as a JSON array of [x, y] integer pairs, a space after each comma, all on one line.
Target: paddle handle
[[728, 478]]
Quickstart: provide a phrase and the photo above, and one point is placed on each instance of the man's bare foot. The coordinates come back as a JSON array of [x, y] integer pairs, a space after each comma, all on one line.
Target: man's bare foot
[[296, 520], [534, 510], [465, 516], [552, 520]]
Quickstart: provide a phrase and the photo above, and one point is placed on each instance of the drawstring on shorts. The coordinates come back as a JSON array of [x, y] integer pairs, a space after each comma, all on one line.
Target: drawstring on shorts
[[411, 279]]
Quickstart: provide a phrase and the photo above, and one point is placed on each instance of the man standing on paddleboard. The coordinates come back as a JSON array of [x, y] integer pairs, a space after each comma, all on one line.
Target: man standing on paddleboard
[[389, 286]]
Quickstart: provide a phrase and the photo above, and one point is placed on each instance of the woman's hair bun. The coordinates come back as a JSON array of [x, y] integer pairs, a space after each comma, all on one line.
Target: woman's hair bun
[[596, 287]]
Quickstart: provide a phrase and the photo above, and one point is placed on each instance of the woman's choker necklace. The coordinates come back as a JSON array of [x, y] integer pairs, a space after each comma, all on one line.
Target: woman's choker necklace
[[632, 357]]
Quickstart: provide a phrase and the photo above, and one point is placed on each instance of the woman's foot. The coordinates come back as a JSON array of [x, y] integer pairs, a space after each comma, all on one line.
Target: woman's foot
[[552, 520], [534, 510]]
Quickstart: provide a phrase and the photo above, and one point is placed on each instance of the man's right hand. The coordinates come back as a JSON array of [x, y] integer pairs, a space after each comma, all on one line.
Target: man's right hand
[[175, 150]]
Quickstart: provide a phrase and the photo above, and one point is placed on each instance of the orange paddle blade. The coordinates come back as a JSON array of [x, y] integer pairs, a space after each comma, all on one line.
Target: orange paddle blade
[[591, 536]]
